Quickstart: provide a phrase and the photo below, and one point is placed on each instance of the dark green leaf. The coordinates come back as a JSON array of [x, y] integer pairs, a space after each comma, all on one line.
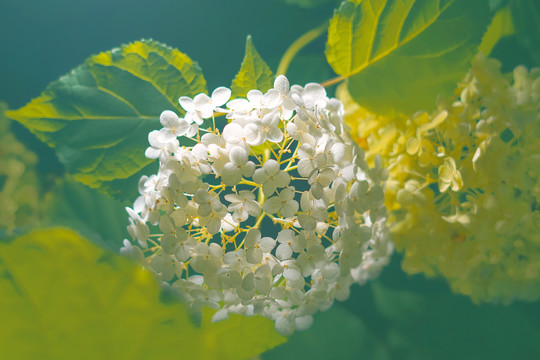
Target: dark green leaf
[[99, 115], [95, 215]]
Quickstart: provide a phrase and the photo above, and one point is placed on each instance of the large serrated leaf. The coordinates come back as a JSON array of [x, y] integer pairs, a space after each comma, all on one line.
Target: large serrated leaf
[[64, 298], [254, 73], [398, 55], [99, 115]]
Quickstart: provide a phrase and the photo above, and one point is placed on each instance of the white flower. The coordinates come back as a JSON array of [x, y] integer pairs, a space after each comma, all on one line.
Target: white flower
[[271, 177], [160, 148], [206, 258], [269, 128], [173, 126], [284, 203], [238, 167], [236, 134], [213, 201], [138, 228], [288, 243], [202, 106], [255, 246], [132, 252], [242, 205]]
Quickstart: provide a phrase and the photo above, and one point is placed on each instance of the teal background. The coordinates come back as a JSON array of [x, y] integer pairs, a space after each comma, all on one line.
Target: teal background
[[395, 317]]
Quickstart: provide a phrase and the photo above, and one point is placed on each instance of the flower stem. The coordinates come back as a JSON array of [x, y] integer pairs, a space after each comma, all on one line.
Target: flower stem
[[298, 45]]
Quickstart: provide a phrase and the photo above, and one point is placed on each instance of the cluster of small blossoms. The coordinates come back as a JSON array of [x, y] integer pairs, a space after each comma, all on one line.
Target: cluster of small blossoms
[[274, 213], [464, 183], [19, 191]]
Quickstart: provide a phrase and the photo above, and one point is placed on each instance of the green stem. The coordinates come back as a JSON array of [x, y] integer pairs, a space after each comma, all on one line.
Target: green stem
[[298, 45]]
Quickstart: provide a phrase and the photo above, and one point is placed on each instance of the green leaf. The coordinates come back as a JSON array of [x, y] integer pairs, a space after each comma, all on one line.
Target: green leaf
[[99, 115], [398, 55], [254, 73], [64, 298], [501, 26], [95, 215]]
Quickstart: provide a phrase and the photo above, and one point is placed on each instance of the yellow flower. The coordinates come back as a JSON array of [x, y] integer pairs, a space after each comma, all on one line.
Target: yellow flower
[[464, 182]]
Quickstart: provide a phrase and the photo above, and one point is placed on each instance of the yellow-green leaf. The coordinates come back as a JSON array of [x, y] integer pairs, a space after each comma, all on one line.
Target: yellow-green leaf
[[399, 54], [501, 26], [98, 116], [254, 73], [64, 298]]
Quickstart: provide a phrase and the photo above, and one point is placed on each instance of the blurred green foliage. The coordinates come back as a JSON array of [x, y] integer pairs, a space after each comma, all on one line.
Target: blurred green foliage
[[68, 284], [64, 298]]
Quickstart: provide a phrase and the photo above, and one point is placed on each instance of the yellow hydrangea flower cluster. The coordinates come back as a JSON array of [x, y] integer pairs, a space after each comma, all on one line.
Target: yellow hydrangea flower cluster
[[464, 182], [19, 194]]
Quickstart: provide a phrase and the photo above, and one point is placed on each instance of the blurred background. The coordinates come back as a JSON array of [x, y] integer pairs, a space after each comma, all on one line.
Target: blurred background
[[395, 317]]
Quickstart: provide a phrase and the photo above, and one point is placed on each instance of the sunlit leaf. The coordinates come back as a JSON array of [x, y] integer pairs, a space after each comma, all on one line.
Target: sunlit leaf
[[254, 73], [398, 55], [64, 298], [99, 115], [501, 26]]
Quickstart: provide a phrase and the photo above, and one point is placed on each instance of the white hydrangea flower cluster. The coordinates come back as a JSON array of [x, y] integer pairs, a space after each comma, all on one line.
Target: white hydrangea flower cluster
[[275, 213]]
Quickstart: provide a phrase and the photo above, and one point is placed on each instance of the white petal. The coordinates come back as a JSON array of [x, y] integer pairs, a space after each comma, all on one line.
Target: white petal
[[268, 188], [281, 84], [168, 118], [284, 252], [272, 205], [282, 179], [220, 315], [274, 135], [259, 176], [187, 103], [254, 255], [271, 99], [284, 326], [253, 134], [220, 96], [290, 208], [292, 274], [232, 133], [152, 153], [271, 166], [255, 97], [314, 90], [267, 244], [303, 322], [285, 235], [307, 222], [252, 237], [238, 155]]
